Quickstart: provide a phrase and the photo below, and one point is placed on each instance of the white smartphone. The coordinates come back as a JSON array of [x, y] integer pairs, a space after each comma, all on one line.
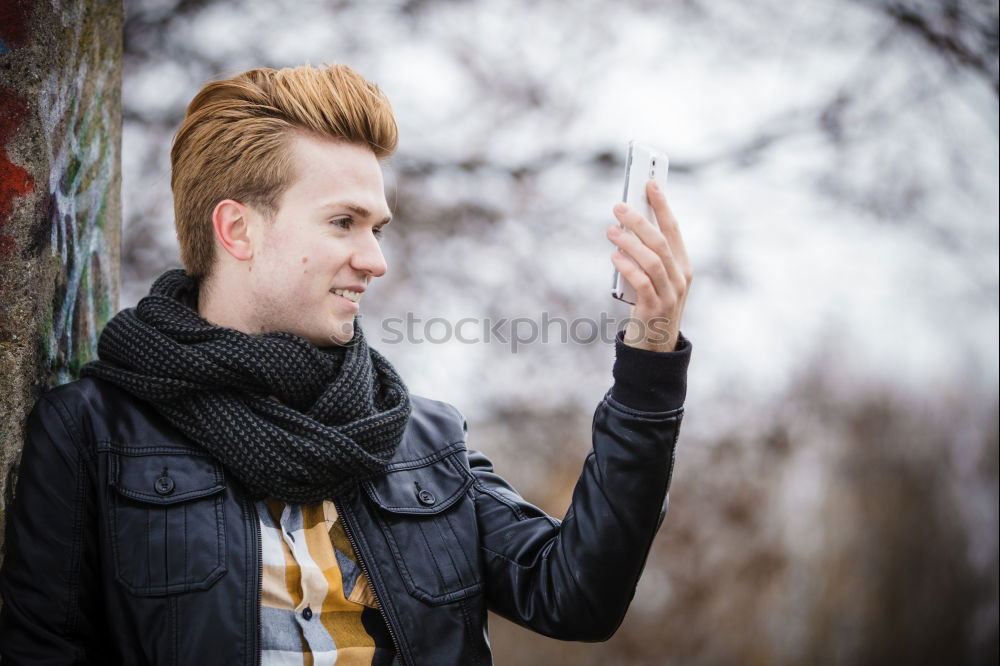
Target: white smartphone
[[641, 164]]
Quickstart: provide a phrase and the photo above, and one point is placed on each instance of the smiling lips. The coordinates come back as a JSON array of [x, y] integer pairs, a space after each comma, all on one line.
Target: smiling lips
[[353, 296]]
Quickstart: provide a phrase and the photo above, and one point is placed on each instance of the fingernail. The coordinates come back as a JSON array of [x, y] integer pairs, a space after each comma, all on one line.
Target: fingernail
[[656, 186], [621, 208]]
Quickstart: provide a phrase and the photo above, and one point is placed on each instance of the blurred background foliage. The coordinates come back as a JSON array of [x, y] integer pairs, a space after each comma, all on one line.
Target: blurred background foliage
[[834, 166]]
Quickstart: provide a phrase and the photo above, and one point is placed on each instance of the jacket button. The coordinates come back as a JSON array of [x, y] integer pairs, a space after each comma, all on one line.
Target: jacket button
[[164, 485], [426, 497], [307, 613]]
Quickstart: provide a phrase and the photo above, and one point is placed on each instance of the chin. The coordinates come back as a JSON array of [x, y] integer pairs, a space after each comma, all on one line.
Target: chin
[[341, 334]]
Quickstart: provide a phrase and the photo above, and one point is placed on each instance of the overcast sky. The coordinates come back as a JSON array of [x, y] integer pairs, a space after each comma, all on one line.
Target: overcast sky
[[875, 254]]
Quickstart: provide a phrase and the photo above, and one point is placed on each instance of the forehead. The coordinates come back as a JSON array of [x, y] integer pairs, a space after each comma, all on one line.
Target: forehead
[[325, 170]]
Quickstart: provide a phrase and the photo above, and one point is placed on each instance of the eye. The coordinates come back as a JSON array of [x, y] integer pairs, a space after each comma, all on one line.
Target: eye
[[346, 223]]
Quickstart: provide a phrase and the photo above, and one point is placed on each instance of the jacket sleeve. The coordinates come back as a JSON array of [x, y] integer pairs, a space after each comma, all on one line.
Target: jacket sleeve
[[48, 575], [574, 579]]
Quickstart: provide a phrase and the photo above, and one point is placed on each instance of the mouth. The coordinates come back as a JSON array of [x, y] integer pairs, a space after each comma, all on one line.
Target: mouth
[[347, 299], [352, 296]]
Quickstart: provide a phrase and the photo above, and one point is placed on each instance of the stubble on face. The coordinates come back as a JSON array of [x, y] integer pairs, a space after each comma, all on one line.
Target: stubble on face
[[272, 313]]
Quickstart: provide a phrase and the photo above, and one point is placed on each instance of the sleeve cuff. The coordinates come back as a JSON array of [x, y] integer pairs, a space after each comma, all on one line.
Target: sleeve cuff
[[650, 381]]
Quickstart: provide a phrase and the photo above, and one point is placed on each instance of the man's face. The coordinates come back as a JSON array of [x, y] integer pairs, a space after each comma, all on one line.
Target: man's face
[[324, 238]]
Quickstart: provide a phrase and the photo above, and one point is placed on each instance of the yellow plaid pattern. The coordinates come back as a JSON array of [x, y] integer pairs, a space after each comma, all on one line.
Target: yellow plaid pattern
[[317, 607]]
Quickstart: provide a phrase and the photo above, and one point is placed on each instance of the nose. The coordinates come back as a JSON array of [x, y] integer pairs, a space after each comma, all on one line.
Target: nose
[[368, 257]]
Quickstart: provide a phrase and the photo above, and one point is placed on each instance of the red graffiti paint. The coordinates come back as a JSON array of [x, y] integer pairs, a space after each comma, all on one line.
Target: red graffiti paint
[[15, 181], [14, 16]]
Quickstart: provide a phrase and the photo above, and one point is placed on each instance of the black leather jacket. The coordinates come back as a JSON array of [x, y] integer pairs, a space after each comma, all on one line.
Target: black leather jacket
[[127, 544]]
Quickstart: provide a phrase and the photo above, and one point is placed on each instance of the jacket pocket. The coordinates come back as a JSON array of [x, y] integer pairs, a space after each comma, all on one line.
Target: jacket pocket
[[429, 524], [167, 522]]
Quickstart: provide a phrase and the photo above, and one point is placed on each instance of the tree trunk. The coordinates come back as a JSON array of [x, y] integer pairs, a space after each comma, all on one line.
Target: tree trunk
[[60, 199]]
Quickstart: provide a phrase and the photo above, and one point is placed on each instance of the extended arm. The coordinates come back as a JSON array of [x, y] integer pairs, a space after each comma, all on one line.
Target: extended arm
[[574, 580]]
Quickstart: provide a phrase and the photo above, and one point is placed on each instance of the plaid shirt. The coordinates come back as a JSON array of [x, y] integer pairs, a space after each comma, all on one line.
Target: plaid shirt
[[316, 604]]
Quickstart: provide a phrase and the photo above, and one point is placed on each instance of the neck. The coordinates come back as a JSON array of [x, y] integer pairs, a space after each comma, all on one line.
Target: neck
[[216, 308]]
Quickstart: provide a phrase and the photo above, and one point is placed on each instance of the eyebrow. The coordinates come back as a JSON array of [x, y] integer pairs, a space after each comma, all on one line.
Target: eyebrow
[[357, 209]]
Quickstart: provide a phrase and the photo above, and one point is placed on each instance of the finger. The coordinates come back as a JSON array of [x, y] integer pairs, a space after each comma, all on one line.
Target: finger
[[650, 262], [669, 226], [637, 222], [640, 281], [651, 236]]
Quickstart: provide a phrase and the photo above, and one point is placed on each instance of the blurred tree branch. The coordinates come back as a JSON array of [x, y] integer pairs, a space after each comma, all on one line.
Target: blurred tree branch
[[963, 31]]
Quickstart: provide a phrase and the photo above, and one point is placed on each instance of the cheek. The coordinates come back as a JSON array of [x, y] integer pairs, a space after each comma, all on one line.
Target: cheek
[[284, 281]]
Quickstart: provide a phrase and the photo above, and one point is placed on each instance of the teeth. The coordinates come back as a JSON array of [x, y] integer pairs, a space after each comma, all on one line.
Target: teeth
[[349, 295]]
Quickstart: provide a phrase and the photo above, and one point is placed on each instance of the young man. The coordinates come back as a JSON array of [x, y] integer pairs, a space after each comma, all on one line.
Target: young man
[[241, 479]]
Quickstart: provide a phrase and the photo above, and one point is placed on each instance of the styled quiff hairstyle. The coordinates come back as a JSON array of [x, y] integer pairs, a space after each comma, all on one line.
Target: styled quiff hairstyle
[[235, 142]]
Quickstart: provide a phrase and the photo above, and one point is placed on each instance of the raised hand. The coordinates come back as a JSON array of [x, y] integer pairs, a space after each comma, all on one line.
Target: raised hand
[[661, 273]]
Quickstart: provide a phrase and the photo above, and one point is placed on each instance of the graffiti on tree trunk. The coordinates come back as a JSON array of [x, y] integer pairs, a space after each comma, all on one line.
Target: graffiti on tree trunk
[[71, 110]]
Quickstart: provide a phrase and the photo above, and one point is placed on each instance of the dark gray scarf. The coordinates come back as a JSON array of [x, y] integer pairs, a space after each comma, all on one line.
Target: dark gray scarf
[[342, 413]]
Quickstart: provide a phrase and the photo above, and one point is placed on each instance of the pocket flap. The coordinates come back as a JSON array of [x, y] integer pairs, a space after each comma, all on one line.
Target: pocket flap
[[421, 490], [165, 479]]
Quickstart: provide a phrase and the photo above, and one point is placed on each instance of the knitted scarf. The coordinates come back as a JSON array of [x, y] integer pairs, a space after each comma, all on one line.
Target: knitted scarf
[[342, 409]]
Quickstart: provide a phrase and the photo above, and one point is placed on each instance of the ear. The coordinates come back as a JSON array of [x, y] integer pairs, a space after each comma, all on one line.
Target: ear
[[232, 228]]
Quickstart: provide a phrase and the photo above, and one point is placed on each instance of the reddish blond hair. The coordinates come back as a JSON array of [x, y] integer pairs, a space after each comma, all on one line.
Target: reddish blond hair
[[234, 142]]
